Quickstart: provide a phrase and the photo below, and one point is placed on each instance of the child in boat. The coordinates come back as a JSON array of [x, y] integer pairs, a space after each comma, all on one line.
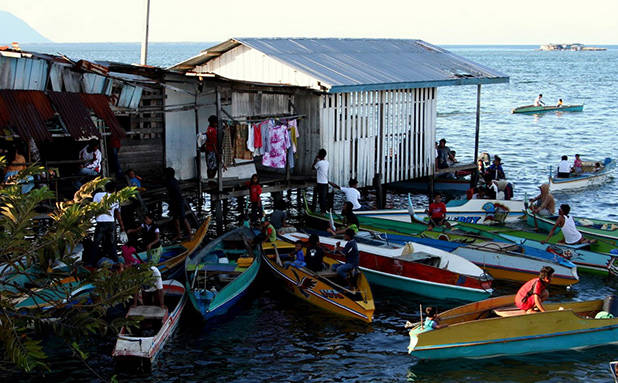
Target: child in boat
[[577, 165], [315, 254], [350, 220], [299, 256], [571, 236], [129, 254], [559, 105], [597, 167], [437, 213], [431, 319], [531, 295]]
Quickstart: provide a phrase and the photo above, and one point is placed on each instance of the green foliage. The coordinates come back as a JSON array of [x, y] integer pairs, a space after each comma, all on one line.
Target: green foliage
[[42, 287]]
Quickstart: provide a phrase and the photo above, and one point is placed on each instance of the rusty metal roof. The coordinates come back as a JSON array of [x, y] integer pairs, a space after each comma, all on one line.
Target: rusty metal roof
[[346, 65], [99, 104], [26, 111], [74, 114]]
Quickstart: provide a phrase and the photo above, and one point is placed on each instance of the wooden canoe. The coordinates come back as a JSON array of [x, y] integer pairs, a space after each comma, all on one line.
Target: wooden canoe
[[321, 288], [602, 230], [531, 109], [494, 327]]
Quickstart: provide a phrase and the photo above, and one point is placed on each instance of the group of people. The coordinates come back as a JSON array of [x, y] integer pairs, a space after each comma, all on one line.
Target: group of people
[[538, 101], [565, 169]]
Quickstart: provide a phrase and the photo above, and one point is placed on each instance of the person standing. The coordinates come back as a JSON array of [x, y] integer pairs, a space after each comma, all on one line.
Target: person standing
[[443, 152], [351, 193], [531, 295], [176, 202], [255, 198], [207, 143], [105, 230], [321, 166]]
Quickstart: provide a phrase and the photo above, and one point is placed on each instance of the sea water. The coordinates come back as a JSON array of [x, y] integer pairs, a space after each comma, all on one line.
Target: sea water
[[274, 337]]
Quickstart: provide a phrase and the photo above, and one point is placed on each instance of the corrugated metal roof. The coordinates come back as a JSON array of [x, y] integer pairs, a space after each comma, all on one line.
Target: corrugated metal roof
[[74, 114], [26, 111], [363, 64], [99, 104]]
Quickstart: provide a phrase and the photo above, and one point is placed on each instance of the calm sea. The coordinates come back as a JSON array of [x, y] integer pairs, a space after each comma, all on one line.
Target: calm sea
[[274, 337]]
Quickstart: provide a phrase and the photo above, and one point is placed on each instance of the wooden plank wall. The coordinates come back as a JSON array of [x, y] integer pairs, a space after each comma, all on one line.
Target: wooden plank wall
[[388, 132]]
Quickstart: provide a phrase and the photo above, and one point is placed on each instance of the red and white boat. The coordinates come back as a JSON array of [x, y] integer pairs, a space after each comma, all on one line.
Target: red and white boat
[[142, 343], [414, 268]]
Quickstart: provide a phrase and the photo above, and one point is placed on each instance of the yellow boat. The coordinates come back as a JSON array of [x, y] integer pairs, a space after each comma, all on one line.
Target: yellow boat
[[317, 288], [495, 327]]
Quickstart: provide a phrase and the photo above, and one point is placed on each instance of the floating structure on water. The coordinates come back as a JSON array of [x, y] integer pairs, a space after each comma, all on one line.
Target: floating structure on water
[[569, 47]]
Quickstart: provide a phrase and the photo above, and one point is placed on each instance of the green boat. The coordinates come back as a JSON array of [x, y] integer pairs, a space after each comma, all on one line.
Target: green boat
[[600, 230], [531, 109]]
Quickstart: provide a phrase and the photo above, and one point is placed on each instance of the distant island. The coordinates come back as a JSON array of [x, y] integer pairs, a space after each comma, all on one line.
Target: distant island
[[14, 29], [569, 47]]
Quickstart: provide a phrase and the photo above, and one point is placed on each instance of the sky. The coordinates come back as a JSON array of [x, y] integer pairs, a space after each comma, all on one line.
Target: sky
[[436, 21]]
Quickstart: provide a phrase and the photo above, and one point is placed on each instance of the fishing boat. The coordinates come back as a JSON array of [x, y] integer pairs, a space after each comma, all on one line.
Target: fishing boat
[[504, 260], [440, 184], [589, 177], [602, 230], [173, 257], [219, 274], [495, 327], [415, 268], [478, 211], [531, 109], [613, 370], [591, 258], [141, 343], [321, 288]]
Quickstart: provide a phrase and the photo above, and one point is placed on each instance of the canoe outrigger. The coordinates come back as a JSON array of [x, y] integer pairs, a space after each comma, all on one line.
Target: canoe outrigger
[[495, 327]]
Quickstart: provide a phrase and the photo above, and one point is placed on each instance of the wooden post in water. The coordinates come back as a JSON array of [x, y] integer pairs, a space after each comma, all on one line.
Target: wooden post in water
[[477, 131], [219, 212], [200, 199], [377, 184]]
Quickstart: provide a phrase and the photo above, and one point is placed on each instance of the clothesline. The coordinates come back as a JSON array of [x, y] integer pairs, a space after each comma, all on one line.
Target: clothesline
[[265, 117]]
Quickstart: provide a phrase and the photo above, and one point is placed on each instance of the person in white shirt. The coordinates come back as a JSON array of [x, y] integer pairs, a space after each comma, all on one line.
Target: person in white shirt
[[321, 166], [564, 168], [539, 101], [105, 230], [153, 294], [352, 194], [571, 236]]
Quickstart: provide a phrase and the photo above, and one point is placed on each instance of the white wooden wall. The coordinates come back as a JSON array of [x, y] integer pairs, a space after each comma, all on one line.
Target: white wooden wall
[[388, 132]]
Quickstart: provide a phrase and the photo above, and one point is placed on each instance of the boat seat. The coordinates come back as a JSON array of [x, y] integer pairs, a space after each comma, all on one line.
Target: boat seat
[[499, 246], [508, 311], [328, 274], [148, 312]]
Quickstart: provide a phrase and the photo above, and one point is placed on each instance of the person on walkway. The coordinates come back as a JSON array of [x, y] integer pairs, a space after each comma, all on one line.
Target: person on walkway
[[443, 152], [176, 203], [564, 168], [495, 170], [151, 238], [315, 255], [105, 230], [350, 251], [531, 295], [350, 220], [207, 143], [437, 213], [545, 204], [539, 101], [351, 193], [571, 236], [255, 198], [578, 165], [321, 166]]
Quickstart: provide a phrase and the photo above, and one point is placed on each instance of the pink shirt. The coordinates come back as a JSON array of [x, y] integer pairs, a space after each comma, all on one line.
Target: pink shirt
[[577, 163]]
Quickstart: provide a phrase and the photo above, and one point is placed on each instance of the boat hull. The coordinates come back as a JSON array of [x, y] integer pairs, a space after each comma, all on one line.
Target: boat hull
[[584, 180], [531, 109], [439, 184], [546, 223]]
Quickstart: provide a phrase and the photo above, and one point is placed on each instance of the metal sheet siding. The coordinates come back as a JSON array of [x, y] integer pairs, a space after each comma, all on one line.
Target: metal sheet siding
[[23, 73]]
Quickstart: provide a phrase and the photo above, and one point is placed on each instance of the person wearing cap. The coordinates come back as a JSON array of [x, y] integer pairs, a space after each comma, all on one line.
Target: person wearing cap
[[495, 170], [443, 152]]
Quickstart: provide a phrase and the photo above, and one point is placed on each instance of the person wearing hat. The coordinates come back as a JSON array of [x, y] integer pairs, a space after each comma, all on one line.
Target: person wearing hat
[[443, 152], [207, 142], [494, 171]]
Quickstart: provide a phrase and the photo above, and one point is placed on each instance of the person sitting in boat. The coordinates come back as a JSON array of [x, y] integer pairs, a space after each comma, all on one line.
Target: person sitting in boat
[[315, 255], [531, 295], [495, 170], [544, 203], [151, 239], [269, 233], [350, 220], [578, 165], [437, 213], [431, 319], [597, 167], [564, 168], [565, 222], [559, 105], [299, 256], [539, 101], [153, 294], [350, 251], [351, 193]]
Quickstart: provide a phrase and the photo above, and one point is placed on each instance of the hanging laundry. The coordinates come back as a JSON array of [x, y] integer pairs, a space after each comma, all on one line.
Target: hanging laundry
[[289, 149], [278, 143], [250, 139], [266, 128], [257, 137], [293, 125], [240, 147]]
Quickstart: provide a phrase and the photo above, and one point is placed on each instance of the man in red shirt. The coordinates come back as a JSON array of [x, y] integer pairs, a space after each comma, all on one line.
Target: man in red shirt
[[531, 295], [437, 213], [211, 148]]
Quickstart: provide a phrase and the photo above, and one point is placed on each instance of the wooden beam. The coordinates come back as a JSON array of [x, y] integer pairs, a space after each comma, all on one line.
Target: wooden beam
[[456, 168], [478, 122]]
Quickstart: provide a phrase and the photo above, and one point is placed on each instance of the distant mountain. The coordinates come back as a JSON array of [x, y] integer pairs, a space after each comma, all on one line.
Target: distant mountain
[[12, 28]]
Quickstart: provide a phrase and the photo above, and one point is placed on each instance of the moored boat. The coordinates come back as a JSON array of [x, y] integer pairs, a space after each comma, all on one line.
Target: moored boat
[[589, 177], [439, 184], [415, 268], [531, 109], [321, 288], [141, 343], [219, 274], [495, 327]]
